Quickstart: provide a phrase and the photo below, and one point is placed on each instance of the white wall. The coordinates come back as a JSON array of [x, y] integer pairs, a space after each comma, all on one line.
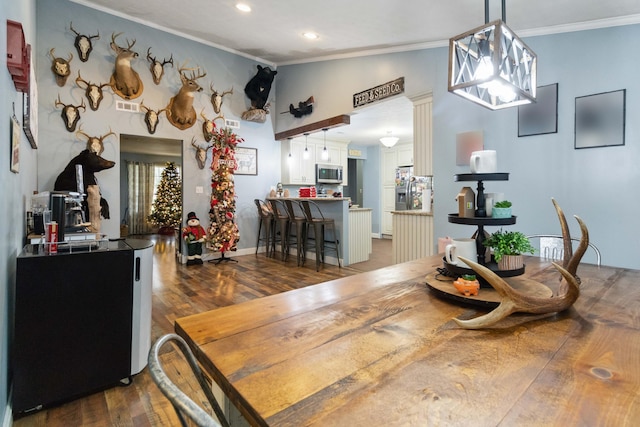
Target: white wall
[[224, 70], [596, 184]]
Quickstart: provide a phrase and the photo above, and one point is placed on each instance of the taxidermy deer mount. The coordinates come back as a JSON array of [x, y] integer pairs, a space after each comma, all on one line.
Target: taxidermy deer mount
[[60, 67], [304, 108], [513, 301], [92, 91], [157, 67], [95, 144], [151, 117], [201, 153], [208, 126], [70, 113], [83, 43], [216, 98], [125, 81], [180, 112]]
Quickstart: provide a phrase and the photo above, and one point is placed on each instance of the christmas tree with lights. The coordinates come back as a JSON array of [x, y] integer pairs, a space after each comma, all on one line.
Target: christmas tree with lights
[[223, 234], [167, 206]]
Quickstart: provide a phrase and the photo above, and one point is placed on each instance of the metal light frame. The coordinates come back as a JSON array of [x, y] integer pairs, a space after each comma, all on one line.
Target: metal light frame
[[490, 64]]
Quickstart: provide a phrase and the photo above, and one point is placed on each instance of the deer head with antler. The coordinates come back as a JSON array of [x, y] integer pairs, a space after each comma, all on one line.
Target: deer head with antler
[[92, 91], [95, 144], [151, 117], [216, 98], [125, 81], [83, 43], [180, 112], [70, 113], [157, 67], [513, 301], [60, 67], [201, 153], [208, 126]]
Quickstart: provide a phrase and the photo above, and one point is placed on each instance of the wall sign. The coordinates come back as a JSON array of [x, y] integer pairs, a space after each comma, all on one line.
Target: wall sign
[[378, 93]]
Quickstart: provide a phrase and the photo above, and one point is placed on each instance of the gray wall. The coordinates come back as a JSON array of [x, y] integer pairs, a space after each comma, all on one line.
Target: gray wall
[[223, 69], [595, 184]]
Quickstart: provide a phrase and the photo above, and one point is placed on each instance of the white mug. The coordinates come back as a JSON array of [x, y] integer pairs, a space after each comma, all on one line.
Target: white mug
[[485, 161], [461, 247]]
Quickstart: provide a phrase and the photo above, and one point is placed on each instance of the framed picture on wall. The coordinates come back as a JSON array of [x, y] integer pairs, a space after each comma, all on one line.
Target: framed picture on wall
[[247, 161], [15, 145], [600, 119], [540, 117]]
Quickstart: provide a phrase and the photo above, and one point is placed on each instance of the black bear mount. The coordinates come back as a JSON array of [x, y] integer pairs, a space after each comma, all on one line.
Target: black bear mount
[[257, 89]]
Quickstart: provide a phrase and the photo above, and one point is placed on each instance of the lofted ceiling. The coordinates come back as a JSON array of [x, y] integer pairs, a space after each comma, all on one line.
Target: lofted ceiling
[[272, 32]]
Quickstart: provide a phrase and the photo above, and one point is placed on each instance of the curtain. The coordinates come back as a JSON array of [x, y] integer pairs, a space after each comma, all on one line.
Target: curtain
[[140, 188]]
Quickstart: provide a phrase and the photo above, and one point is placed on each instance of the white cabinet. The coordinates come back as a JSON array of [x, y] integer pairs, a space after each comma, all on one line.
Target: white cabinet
[[391, 158], [388, 205], [296, 170], [405, 155]]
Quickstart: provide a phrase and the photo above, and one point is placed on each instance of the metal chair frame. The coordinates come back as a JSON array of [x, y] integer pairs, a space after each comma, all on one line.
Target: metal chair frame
[[300, 222], [556, 252], [266, 221], [318, 223], [281, 225], [184, 406]]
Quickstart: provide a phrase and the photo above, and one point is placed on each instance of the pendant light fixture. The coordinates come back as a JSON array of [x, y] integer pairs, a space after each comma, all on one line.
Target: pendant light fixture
[[491, 66], [389, 140], [325, 153], [305, 154]]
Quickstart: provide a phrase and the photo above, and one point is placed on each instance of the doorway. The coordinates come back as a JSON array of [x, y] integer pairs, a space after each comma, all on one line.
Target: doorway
[[355, 189], [142, 160]]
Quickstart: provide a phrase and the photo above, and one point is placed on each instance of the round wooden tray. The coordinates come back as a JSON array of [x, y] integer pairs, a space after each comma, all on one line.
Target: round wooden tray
[[487, 297]]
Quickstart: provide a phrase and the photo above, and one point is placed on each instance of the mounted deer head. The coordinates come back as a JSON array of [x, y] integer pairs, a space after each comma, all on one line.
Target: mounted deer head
[[181, 113], [209, 126], [60, 67], [151, 117], [83, 43], [216, 98], [95, 144], [70, 113], [92, 91], [201, 153], [157, 67], [125, 81]]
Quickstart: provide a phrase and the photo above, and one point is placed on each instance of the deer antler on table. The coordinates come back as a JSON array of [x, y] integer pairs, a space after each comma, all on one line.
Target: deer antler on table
[[513, 301]]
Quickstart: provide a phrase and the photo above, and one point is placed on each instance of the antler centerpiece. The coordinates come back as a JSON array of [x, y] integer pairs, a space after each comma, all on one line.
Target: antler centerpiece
[[513, 301]]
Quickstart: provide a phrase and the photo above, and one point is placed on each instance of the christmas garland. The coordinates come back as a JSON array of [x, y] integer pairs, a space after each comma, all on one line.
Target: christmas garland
[[223, 234]]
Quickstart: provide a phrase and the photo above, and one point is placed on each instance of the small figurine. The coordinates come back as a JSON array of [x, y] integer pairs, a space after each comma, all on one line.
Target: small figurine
[[467, 285], [194, 235]]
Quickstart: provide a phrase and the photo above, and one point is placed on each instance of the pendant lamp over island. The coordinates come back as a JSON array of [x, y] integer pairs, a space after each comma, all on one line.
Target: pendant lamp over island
[[491, 66]]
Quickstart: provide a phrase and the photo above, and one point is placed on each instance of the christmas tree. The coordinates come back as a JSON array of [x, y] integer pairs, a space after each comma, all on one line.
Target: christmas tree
[[223, 235], [167, 207]]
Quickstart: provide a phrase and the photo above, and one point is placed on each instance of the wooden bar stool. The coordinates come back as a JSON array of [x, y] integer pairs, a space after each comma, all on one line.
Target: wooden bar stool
[[265, 222], [297, 220], [318, 223], [281, 226]]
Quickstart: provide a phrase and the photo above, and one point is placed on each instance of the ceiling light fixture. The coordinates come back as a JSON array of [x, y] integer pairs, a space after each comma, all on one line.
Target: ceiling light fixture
[[389, 141], [325, 153], [310, 35], [491, 66], [305, 155], [243, 7]]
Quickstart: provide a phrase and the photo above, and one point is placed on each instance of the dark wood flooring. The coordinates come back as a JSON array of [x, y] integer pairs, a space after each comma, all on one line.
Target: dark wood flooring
[[179, 290]]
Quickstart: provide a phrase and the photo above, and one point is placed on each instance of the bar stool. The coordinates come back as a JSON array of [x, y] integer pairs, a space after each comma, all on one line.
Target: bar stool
[[297, 219], [281, 225], [265, 222], [318, 223]]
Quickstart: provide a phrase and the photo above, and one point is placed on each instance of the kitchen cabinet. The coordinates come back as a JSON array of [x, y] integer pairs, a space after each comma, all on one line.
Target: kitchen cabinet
[[388, 205], [391, 158], [82, 321], [405, 154], [296, 170]]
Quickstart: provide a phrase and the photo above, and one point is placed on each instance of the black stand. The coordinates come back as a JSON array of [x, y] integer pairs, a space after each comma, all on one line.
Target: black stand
[[222, 259]]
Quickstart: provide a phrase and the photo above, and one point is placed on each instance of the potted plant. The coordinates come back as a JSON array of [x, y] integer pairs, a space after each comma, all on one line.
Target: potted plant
[[508, 247], [501, 209]]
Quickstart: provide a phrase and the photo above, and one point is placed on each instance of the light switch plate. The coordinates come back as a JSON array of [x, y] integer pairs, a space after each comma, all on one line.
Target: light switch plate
[[199, 189]]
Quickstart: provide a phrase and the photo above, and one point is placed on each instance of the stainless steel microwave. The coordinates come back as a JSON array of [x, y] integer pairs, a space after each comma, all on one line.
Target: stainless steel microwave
[[328, 174]]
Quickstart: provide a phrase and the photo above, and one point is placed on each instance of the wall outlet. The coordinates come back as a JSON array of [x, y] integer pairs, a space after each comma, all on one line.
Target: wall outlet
[[199, 189]]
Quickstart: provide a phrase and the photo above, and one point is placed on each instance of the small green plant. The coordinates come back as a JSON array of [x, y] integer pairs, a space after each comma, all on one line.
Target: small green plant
[[502, 204], [469, 277], [508, 243]]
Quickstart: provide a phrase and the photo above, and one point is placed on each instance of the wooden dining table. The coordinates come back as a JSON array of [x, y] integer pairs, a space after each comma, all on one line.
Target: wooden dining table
[[380, 349]]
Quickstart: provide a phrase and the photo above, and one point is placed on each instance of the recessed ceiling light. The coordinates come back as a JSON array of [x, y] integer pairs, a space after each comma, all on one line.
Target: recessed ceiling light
[[309, 35], [243, 7]]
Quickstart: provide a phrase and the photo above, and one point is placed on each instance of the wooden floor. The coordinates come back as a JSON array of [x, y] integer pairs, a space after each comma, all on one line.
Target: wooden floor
[[179, 291]]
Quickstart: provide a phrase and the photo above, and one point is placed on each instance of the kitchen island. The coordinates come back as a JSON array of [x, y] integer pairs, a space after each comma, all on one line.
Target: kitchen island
[[380, 348], [412, 235]]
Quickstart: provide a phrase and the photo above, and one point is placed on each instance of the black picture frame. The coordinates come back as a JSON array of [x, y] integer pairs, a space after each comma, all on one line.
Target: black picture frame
[[30, 110], [541, 117], [246, 161], [600, 120]]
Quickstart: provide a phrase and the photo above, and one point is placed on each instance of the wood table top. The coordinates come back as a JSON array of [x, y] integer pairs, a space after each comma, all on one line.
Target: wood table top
[[379, 348]]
